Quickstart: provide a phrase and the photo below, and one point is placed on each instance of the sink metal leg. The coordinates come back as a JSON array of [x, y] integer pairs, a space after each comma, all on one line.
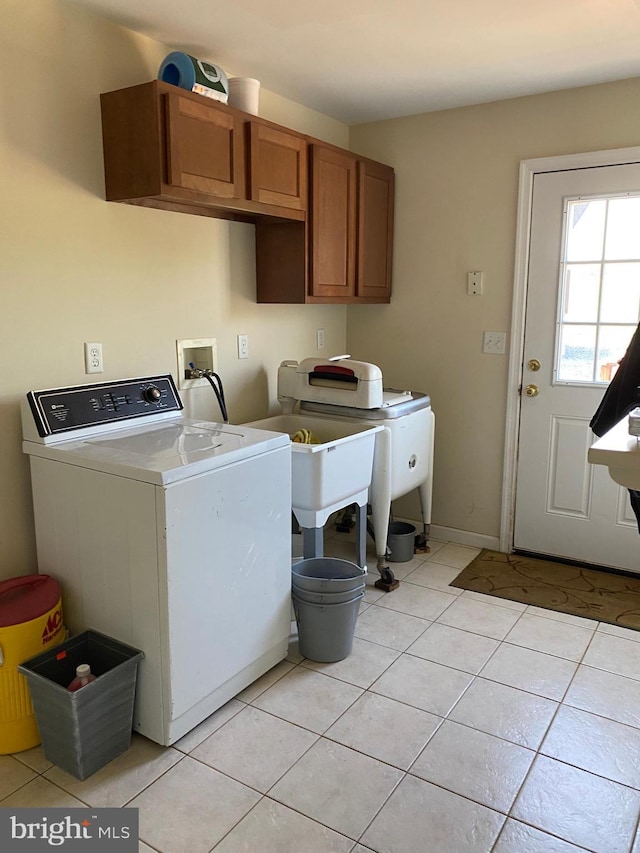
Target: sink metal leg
[[312, 542], [425, 490], [361, 536]]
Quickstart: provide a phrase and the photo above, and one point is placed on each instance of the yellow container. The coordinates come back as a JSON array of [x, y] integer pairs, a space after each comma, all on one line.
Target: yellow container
[[20, 600]]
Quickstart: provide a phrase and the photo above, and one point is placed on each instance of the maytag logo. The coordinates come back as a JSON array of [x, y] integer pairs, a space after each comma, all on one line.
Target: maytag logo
[[72, 830]]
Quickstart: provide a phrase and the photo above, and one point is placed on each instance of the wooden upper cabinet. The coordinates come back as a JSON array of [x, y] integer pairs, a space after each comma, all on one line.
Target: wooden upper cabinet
[[333, 215], [204, 147], [375, 230], [323, 215], [277, 166], [168, 148], [343, 253]]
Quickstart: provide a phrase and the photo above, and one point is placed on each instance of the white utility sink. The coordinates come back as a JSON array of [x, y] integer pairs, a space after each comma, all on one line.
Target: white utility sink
[[330, 474]]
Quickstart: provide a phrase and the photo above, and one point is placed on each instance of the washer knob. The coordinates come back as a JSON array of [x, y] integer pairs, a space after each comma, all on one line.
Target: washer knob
[[152, 394]]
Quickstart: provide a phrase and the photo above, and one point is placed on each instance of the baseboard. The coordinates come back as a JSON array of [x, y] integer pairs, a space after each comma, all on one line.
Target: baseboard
[[460, 537]]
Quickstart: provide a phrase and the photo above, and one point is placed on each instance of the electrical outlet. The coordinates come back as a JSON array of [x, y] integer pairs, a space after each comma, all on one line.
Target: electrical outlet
[[243, 346], [319, 338], [93, 362], [494, 342]]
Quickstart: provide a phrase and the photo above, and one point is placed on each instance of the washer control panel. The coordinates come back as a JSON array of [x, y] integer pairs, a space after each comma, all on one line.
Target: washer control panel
[[64, 409]]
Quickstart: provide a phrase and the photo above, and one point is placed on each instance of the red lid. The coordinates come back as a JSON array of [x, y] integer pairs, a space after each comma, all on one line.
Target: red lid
[[25, 598], [334, 368]]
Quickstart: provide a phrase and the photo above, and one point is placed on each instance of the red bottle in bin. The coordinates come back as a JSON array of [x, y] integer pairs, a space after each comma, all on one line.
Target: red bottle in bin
[[83, 676]]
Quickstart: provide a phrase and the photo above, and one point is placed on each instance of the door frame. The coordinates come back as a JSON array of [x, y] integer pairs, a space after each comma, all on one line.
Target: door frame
[[528, 170]]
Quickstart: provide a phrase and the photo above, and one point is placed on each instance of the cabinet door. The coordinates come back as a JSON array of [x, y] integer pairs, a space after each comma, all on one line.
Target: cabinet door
[[375, 230], [333, 223], [204, 148], [278, 166]]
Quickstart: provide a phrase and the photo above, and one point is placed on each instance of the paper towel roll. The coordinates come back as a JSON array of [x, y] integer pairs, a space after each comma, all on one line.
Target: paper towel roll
[[195, 75], [244, 94]]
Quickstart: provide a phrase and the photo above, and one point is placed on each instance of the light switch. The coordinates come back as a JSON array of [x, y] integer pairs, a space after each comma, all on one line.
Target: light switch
[[243, 346]]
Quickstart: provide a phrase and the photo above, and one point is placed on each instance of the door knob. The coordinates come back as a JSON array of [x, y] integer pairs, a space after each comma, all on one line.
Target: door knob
[[533, 364], [532, 390]]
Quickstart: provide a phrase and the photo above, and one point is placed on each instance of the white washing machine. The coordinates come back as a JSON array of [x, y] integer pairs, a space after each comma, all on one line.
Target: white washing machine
[[170, 534]]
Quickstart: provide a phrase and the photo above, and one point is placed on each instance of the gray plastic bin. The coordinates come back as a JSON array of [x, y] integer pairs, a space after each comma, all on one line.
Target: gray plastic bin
[[400, 541], [327, 597], [325, 631], [83, 731], [326, 574]]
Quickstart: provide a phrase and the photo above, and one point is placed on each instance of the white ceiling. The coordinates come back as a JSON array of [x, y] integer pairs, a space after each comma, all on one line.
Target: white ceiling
[[363, 60]]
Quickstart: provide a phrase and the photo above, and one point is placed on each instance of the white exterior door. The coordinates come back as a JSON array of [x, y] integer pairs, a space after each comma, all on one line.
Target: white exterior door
[[583, 303]]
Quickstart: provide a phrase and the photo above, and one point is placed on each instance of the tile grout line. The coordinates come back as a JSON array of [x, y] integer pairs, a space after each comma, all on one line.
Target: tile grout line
[[538, 754]]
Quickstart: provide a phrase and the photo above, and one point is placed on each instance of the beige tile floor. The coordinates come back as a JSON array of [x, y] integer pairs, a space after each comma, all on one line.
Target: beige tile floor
[[459, 724]]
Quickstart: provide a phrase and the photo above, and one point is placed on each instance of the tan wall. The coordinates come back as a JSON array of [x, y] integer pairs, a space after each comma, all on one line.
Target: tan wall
[[75, 268], [456, 197]]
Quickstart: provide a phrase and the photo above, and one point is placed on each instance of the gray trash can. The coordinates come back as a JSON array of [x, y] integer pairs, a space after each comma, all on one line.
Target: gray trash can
[[326, 574], [400, 541], [325, 631], [83, 731], [326, 595]]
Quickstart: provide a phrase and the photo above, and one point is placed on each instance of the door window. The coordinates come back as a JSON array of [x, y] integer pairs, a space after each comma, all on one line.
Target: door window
[[599, 303]]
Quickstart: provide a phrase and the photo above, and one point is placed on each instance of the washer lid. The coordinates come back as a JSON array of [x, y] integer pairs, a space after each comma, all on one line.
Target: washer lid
[[164, 452]]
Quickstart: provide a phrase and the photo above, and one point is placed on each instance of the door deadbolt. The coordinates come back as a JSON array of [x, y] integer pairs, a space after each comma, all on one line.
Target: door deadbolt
[[532, 390], [533, 364]]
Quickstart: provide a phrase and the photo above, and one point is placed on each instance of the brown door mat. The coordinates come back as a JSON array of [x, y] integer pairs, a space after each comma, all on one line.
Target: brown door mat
[[606, 596]]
